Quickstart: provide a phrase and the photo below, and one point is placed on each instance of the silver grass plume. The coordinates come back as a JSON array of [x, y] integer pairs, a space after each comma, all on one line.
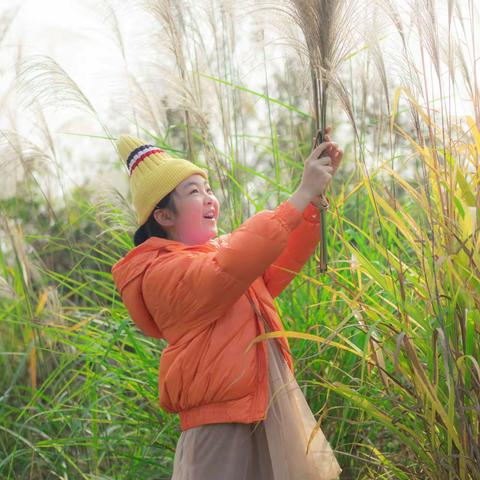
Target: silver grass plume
[[327, 27], [41, 80], [7, 17], [180, 86]]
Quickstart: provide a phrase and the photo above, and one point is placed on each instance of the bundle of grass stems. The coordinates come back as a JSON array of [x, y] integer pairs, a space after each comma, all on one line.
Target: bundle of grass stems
[[327, 27]]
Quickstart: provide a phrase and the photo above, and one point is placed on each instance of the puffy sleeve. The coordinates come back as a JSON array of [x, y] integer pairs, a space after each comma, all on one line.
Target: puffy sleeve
[[199, 287], [300, 247]]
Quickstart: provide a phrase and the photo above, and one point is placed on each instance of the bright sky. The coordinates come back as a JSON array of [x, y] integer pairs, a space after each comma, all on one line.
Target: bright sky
[[72, 33], [78, 35]]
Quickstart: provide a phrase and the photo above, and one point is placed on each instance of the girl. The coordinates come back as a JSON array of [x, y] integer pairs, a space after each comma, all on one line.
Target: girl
[[242, 413]]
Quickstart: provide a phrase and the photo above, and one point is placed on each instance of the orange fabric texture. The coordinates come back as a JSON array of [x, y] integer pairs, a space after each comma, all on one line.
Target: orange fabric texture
[[194, 297]]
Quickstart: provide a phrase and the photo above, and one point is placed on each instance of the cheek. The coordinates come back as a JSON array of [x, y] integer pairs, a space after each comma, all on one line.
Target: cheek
[[193, 210]]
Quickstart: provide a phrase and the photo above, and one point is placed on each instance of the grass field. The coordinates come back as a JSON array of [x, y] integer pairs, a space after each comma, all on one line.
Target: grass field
[[386, 343]]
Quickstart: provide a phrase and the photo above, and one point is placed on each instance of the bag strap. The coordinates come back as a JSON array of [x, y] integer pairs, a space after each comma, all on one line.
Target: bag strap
[[267, 328], [257, 311]]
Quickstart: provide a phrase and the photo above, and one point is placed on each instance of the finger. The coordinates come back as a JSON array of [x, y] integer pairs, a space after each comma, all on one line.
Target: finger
[[323, 146], [331, 149], [325, 161], [338, 159], [335, 149]]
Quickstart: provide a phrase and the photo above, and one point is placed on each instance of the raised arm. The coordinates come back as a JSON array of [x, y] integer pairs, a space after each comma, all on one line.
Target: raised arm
[[300, 247], [198, 287]]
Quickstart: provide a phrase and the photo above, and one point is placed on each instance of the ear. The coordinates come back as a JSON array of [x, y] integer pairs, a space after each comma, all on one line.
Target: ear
[[164, 217]]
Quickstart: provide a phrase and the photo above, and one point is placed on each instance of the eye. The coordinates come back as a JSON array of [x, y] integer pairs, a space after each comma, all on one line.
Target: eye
[[196, 190]]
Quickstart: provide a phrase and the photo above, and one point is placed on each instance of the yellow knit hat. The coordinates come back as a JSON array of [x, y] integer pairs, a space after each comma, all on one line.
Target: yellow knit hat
[[153, 173]]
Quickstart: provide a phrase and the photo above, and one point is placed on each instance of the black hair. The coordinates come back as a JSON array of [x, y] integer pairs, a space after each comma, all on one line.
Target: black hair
[[151, 228]]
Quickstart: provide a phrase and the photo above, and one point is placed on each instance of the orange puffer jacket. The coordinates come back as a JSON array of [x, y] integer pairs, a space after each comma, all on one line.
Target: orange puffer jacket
[[194, 296]]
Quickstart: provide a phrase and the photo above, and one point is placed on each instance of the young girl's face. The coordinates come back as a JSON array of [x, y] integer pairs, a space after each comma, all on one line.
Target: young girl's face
[[194, 200]]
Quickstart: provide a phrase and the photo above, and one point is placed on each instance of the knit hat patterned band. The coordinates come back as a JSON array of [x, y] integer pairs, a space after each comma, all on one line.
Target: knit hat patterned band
[[139, 154], [153, 173]]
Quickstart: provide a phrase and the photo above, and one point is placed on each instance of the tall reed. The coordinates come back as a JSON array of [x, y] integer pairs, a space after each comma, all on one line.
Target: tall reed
[[327, 27], [386, 349]]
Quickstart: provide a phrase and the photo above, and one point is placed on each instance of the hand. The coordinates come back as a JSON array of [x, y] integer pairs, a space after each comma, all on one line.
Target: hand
[[333, 151], [336, 154]]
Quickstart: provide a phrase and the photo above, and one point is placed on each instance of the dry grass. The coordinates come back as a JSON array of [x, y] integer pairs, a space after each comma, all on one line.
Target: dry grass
[[387, 340]]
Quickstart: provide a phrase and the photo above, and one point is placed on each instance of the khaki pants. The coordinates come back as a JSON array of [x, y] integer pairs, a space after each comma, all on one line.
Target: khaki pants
[[223, 451]]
